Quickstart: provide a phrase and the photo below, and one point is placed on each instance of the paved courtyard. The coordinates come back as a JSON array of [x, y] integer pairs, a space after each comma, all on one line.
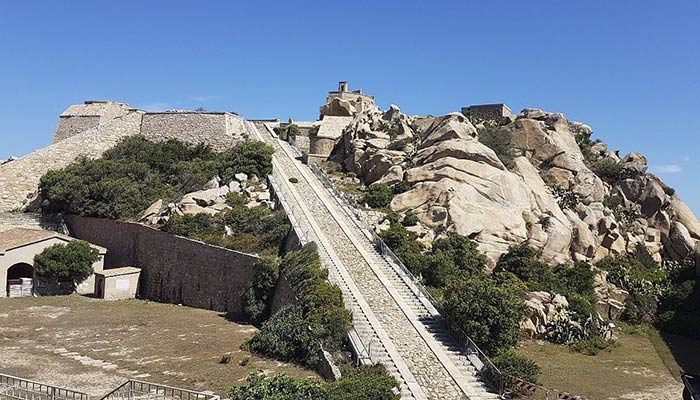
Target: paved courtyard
[[93, 346]]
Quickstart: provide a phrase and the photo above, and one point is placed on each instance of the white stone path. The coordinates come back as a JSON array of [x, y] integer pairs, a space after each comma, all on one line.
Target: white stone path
[[405, 334]]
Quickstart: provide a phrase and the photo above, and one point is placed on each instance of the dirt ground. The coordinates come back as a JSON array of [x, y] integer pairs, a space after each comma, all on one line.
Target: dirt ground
[[640, 368], [93, 346]]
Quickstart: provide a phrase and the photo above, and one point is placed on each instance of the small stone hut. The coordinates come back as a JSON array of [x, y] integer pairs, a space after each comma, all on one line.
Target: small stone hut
[[117, 283]]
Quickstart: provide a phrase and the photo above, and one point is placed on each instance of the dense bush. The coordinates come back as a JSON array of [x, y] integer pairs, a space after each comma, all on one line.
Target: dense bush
[[410, 219], [378, 195], [320, 318], [363, 383], [257, 297], [501, 142], [488, 313], [70, 262], [510, 363], [286, 336], [612, 171], [135, 173], [592, 346], [279, 387], [253, 230], [323, 304]]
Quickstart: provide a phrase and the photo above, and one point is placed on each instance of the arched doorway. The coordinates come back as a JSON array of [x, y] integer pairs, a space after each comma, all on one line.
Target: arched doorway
[[16, 286]]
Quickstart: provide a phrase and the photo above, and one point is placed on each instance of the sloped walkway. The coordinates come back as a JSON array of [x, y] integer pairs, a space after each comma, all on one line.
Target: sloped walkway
[[399, 329]]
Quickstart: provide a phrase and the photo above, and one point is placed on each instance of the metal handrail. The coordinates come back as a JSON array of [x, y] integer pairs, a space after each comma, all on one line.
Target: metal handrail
[[132, 388], [31, 388], [462, 338]]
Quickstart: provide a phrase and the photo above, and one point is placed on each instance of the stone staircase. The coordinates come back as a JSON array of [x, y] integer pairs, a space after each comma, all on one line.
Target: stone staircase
[[393, 322]]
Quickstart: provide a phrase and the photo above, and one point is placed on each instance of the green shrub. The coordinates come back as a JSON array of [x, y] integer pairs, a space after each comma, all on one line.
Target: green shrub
[[256, 298], [253, 230], [286, 336], [545, 222], [410, 219], [292, 131], [669, 190], [510, 363], [523, 261], [639, 308], [489, 314], [379, 195], [279, 387], [70, 262], [364, 383], [313, 132], [323, 304], [293, 180], [612, 171], [593, 346], [135, 173], [501, 142], [585, 144]]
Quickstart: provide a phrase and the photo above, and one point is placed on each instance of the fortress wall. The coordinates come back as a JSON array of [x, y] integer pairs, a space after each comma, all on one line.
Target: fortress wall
[[174, 269], [19, 179], [70, 126], [219, 130]]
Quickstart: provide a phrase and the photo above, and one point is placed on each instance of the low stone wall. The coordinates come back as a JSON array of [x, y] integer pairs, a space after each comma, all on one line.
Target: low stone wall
[[173, 269]]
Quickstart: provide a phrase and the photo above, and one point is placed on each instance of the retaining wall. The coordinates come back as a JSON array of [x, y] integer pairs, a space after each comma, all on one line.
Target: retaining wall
[[174, 269], [219, 130]]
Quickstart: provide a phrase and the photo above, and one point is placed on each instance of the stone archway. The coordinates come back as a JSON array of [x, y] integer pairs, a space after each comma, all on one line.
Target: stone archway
[[14, 276]]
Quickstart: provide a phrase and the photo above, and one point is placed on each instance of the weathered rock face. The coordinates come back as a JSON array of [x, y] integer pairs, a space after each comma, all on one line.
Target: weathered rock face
[[549, 196], [211, 200], [542, 309]]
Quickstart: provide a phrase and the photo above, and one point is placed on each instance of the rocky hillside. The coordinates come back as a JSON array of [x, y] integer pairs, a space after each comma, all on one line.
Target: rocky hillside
[[533, 177]]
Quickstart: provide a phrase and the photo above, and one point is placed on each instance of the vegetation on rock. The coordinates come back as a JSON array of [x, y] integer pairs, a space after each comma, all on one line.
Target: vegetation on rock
[[136, 172], [379, 195], [254, 230], [500, 142]]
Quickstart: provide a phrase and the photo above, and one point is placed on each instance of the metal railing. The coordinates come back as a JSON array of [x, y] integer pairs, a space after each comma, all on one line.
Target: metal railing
[[15, 388], [477, 357], [144, 390]]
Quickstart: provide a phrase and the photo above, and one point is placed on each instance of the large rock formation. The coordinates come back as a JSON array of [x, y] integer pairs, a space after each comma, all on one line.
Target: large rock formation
[[548, 194]]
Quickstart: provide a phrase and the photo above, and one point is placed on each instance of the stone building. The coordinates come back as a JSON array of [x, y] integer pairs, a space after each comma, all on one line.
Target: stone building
[[17, 250], [117, 283], [330, 130], [487, 111], [345, 103]]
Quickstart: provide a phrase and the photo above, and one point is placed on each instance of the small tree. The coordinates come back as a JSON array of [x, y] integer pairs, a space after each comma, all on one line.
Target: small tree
[[71, 262], [379, 195]]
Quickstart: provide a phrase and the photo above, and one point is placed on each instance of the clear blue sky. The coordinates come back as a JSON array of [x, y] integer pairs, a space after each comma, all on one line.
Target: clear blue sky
[[630, 69]]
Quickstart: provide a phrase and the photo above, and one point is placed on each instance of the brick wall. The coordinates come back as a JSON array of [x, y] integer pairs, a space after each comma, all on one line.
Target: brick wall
[[173, 269], [70, 126]]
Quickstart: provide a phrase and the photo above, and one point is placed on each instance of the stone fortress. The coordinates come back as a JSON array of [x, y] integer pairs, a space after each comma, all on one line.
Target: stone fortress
[[89, 129]]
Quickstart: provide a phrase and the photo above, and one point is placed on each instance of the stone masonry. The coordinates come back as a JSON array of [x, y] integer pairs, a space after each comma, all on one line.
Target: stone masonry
[[19, 179], [89, 129]]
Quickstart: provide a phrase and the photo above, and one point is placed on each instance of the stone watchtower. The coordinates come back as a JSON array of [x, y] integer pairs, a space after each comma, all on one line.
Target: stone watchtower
[[342, 86], [79, 118]]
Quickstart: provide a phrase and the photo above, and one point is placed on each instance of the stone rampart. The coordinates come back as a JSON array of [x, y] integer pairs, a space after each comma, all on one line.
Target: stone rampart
[[19, 179], [219, 130], [174, 269], [81, 117]]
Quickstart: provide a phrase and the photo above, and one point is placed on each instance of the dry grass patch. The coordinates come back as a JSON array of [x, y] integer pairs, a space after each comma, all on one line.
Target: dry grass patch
[[93, 345], [633, 370]]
